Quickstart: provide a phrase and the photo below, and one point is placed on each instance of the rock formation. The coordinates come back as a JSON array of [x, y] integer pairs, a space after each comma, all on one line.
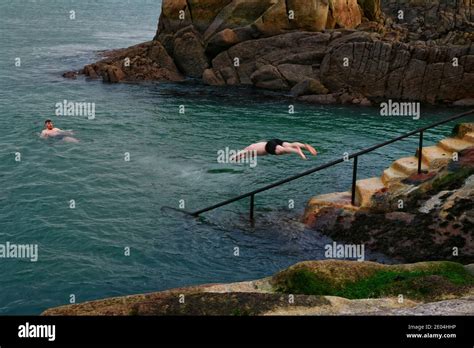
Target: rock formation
[[403, 211], [321, 51], [144, 62], [329, 287]]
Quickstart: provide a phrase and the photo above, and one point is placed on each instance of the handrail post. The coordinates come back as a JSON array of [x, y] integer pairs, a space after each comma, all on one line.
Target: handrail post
[[354, 180], [251, 207], [420, 152]]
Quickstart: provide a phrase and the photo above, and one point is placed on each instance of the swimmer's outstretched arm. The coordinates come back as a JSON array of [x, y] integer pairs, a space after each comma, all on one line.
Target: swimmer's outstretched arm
[[297, 145], [283, 150]]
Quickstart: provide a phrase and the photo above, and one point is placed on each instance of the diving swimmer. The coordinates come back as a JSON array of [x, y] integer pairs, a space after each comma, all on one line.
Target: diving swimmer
[[276, 147], [50, 132]]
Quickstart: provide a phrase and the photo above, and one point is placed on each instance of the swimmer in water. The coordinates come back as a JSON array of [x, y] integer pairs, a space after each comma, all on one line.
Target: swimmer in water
[[276, 147], [50, 132]]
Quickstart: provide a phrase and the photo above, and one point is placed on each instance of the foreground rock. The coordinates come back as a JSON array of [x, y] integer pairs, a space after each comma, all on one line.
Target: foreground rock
[[461, 306], [327, 287]]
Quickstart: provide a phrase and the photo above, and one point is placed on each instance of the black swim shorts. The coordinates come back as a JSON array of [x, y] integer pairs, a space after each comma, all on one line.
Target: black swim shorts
[[271, 145]]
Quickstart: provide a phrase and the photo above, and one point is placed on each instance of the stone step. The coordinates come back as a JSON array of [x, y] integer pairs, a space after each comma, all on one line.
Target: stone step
[[465, 128], [392, 175], [408, 165], [340, 200], [332, 199], [455, 144], [469, 137], [365, 189], [435, 156]]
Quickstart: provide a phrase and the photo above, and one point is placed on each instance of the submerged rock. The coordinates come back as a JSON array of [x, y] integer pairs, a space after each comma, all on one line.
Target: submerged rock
[[70, 75]]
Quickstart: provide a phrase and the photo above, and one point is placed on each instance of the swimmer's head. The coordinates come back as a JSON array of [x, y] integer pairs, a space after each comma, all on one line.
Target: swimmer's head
[[48, 124]]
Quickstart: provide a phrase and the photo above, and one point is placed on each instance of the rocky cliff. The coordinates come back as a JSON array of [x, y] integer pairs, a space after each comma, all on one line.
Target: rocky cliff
[[322, 51]]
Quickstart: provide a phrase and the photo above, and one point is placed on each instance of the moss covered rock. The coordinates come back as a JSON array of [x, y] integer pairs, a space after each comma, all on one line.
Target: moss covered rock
[[307, 288], [356, 280]]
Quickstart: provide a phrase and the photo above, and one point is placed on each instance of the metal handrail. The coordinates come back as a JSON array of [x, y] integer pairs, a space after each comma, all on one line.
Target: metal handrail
[[330, 164]]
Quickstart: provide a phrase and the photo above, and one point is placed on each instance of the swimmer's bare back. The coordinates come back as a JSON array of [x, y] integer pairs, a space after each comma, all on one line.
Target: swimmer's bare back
[[276, 147], [59, 134]]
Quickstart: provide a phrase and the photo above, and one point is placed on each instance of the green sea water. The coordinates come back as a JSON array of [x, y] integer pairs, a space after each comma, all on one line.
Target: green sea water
[[173, 159]]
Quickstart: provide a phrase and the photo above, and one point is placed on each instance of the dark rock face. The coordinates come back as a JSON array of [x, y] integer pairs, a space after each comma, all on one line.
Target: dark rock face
[[236, 304], [144, 62], [379, 69], [295, 55], [189, 52], [443, 20], [360, 62]]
